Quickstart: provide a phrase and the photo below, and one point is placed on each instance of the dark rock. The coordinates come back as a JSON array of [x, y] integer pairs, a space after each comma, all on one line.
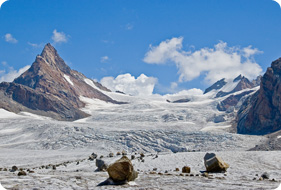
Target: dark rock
[[219, 119], [133, 157], [218, 85], [181, 101], [265, 175], [101, 165], [186, 169], [14, 168], [22, 173], [111, 155]]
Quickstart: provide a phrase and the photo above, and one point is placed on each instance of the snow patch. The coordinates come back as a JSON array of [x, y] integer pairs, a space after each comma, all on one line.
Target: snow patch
[[229, 86], [279, 137], [213, 128], [7, 114], [68, 79], [91, 83]]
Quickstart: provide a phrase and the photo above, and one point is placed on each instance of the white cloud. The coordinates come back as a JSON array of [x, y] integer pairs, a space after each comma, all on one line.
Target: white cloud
[[104, 59], [190, 92], [59, 37], [215, 63], [140, 86], [35, 45], [174, 85], [10, 39], [12, 73]]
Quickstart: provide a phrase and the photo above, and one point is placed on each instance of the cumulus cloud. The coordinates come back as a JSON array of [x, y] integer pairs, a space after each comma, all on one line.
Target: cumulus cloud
[[215, 63], [140, 86], [59, 37], [104, 59], [10, 39], [11, 74]]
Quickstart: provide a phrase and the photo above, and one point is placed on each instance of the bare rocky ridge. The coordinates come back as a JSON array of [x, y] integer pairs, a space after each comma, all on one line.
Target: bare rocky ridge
[[261, 113], [52, 88]]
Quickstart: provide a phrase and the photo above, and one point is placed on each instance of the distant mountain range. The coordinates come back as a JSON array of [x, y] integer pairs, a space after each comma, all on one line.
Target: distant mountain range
[[51, 88]]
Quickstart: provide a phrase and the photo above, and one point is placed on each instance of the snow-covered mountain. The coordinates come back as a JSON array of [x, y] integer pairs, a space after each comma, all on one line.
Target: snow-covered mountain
[[225, 87]]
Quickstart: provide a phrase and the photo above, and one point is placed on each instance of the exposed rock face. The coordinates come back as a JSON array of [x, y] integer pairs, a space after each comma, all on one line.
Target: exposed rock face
[[231, 101], [261, 113], [214, 163], [51, 88], [122, 170], [218, 85]]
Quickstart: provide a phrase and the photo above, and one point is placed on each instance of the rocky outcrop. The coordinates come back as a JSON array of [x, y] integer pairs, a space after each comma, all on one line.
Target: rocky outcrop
[[231, 101], [215, 164], [261, 113], [50, 88], [218, 85]]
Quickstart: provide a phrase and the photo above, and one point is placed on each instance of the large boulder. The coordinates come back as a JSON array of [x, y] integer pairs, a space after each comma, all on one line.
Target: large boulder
[[122, 170], [213, 163]]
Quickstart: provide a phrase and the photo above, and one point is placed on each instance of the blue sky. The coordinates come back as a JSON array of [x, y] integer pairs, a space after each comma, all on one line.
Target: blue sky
[[176, 44]]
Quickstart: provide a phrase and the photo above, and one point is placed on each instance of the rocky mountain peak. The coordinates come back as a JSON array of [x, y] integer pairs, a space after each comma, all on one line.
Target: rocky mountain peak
[[51, 57], [50, 77]]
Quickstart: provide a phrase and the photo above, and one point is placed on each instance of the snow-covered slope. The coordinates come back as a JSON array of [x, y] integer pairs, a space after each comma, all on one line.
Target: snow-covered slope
[[180, 133]]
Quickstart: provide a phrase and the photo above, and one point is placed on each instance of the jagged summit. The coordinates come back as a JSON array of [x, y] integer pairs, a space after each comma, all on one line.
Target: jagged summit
[[224, 87], [56, 82], [52, 57]]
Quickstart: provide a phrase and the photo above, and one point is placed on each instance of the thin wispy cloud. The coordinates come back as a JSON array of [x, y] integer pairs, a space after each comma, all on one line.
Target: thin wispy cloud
[[35, 45], [214, 63], [10, 39], [104, 59], [59, 37], [129, 26], [140, 86]]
